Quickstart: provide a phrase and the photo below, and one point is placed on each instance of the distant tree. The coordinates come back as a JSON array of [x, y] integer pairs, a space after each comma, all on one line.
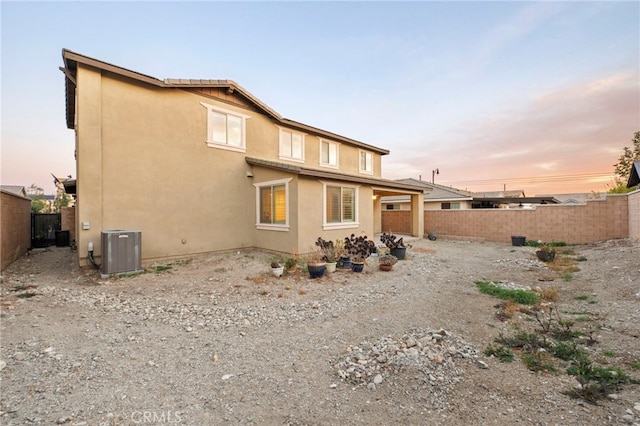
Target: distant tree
[[38, 203], [624, 164], [61, 200]]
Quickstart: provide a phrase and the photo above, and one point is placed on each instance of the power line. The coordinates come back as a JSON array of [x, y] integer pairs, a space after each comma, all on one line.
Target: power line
[[536, 179]]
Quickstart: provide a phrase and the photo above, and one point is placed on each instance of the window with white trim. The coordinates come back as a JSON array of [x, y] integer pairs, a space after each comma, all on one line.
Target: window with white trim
[[225, 129], [328, 154], [366, 162], [291, 145], [272, 205], [340, 206]]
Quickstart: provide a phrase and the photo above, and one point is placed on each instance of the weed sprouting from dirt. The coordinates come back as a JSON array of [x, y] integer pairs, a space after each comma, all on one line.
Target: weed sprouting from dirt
[[524, 297], [555, 344], [27, 295]]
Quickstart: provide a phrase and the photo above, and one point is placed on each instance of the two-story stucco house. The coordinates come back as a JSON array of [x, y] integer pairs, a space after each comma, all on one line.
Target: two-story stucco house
[[203, 165]]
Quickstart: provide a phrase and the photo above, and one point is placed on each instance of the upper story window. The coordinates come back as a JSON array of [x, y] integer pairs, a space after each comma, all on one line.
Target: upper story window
[[329, 154], [291, 145], [272, 205], [225, 129], [366, 162]]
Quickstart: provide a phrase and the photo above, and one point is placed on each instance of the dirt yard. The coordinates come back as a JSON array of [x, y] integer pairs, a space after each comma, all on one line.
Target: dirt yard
[[218, 340]]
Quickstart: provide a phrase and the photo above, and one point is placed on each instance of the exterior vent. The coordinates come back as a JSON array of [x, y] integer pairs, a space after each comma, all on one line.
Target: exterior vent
[[121, 252]]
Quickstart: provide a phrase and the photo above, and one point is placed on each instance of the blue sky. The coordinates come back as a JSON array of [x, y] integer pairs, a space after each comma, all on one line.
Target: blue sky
[[540, 96]]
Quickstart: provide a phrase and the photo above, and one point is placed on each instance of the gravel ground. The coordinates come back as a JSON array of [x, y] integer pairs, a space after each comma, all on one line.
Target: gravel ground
[[217, 339]]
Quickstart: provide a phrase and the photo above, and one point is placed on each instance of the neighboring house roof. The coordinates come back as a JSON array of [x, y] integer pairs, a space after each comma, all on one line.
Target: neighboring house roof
[[71, 60], [500, 194], [576, 198], [378, 184], [432, 192], [15, 189], [634, 176], [516, 200]]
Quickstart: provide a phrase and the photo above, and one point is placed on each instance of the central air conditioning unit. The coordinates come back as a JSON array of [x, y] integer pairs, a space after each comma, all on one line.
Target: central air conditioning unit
[[121, 252]]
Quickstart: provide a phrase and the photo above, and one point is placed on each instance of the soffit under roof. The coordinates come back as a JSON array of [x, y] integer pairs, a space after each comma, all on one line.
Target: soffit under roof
[[380, 185]]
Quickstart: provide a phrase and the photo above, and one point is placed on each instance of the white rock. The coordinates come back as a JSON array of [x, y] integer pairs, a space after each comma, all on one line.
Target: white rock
[[227, 376], [378, 379], [2, 365]]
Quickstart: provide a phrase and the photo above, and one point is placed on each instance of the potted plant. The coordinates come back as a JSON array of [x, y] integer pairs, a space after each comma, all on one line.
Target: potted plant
[[291, 263], [342, 257], [276, 267], [386, 262], [546, 253], [328, 254], [358, 249], [396, 246], [315, 264]]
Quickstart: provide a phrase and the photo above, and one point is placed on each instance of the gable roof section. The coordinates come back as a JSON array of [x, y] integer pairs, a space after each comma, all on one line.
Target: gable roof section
[[634, 176], [72, 59], [16, 190], [379, 184]]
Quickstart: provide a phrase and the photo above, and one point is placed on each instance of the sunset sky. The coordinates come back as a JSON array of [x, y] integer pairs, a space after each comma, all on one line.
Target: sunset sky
[[539, 96]]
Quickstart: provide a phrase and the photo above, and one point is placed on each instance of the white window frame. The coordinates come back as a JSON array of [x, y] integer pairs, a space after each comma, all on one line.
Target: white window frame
[[211, 111], [337, 150], [287, 154], [272, 226], [340, 225], [368, 162]]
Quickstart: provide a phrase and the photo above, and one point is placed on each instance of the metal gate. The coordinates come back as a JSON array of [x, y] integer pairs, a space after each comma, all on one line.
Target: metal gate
[[43, 229]]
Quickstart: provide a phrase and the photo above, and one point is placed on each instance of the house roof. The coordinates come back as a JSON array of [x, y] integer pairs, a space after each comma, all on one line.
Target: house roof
[[432, 192], [518, 200], [14, 189], [380, 185], [435, 192], [72, 59], [634, 176], [500, 194]]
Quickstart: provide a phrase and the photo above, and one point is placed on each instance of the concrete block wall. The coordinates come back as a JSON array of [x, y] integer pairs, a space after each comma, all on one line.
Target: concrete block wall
[[15, 227], [634, 215], [598, 220], [68, 221], [397, 221]]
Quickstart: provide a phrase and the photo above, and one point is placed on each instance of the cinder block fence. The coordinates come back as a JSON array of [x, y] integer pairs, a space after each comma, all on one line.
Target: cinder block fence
[[616, 216]]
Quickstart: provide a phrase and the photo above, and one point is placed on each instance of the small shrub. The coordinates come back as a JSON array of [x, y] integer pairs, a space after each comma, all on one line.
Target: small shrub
[[566, 277], [595, 382], [549, 294], [502, 353], [530, 342], [608, 353], [538, 361], [567, 351], [581, 297]]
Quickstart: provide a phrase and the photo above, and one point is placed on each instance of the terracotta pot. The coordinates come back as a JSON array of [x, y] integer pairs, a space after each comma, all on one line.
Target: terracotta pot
[[385, 267]]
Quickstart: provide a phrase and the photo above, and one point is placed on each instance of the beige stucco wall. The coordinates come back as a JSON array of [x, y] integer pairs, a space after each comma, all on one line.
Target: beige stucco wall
[[143, 164]]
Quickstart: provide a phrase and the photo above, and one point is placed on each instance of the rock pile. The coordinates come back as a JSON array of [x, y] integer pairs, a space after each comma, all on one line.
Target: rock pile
[[434, 353]]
